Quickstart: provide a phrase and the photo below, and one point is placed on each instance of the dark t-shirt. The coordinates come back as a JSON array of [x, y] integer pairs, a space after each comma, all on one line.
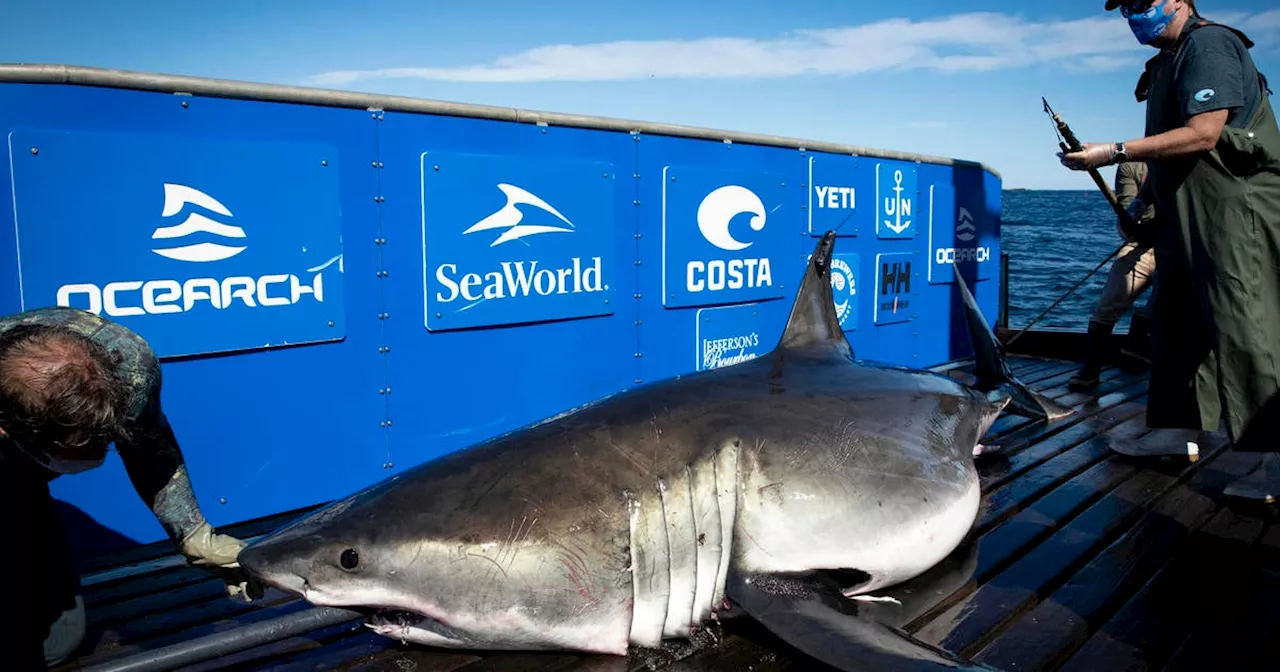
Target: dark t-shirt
[[1216, 72]]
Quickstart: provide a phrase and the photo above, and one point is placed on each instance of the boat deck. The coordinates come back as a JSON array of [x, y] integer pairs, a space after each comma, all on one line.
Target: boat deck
[[1085, 560]]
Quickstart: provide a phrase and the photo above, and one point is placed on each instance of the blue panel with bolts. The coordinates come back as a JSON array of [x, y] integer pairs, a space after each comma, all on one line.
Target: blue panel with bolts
[[400, 312]]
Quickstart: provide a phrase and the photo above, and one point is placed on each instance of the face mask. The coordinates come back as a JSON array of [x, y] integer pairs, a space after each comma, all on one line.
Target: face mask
[[59, 465], [1148, 25], [72, 466]]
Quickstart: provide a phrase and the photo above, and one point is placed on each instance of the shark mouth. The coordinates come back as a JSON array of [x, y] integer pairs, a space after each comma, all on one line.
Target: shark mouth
[[398, 622]]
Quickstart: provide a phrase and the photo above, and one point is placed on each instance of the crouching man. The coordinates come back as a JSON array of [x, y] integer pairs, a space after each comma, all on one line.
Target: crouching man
[[71, 383]]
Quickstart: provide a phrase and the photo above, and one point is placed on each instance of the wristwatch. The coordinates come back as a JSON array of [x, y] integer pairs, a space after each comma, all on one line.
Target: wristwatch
[[1120, 155]]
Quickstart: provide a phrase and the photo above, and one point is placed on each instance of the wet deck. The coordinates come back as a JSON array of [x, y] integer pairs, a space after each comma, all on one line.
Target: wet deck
[[1085, 560]]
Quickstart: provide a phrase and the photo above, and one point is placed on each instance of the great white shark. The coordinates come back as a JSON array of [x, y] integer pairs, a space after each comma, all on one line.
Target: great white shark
[[641, 515]]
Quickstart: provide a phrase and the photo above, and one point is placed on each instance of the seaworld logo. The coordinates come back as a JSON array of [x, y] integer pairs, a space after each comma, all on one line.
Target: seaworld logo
[[510, 279]]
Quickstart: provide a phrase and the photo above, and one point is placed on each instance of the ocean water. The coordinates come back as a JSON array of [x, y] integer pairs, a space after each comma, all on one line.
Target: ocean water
[[1053, 238]]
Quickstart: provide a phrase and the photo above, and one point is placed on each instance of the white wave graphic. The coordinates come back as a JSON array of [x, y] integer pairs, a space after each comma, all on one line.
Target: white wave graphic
[[176, 196], [198, 223], [201, 252], [509, 217]]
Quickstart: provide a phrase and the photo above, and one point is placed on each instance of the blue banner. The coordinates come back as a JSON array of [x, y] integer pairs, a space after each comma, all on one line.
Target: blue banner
[[723, 236], [957, 227], [510, 240], [200, 246], [893, 287], [896, 199]]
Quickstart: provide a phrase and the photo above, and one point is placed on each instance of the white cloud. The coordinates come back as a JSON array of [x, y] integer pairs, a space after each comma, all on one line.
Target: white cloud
[[961, 43]]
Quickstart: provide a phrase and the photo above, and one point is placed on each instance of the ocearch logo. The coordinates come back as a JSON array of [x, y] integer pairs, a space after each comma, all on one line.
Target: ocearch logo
[[715, 212], [177, 196], [162, 296]]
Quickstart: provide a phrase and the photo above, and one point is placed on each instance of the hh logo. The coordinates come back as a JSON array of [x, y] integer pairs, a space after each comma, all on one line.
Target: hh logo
[[894, 296], [896, 278]]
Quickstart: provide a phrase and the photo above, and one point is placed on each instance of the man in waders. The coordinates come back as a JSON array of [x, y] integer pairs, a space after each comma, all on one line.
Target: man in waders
[[70, 384], [1213, 150], [1130, 275]]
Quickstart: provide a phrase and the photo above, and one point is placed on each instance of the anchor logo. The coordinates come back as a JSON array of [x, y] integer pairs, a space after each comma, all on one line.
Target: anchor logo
[[897, 206]]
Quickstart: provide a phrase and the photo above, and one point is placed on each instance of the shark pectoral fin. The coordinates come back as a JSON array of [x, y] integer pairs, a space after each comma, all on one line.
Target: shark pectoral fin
[[809, 612], [992, 369], [1029, 403]]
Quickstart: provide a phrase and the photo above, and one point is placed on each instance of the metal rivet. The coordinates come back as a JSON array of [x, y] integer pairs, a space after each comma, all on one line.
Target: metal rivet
[[637, 381], [331, 323], [35, 150], [606, 174], [436, 167], [324, 162], [438, 316], [637, 262], [222, 500], [184, 103]]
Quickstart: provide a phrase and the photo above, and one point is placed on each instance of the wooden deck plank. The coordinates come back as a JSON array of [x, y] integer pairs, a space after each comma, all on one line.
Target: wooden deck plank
[[1149, 628], [1058, 625], [1072, 540]]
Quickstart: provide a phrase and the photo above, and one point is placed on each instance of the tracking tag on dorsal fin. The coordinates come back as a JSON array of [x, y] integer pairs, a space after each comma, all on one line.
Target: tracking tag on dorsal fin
[[813, 324]]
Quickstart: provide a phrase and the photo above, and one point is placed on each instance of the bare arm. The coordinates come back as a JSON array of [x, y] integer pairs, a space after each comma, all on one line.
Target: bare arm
[[1200, 134]]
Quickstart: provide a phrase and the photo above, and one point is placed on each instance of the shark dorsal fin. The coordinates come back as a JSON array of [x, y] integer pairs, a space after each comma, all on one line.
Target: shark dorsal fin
[[813, 324]]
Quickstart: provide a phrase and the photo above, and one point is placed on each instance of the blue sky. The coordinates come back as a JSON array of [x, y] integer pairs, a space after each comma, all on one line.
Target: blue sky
[[960, 79]]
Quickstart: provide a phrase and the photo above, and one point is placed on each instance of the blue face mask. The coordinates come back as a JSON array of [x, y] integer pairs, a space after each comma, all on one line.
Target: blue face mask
[[1148, 25]]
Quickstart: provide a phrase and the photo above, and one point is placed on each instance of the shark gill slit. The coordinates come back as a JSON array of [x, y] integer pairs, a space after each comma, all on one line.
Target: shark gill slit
[[726, 468], [650, 575], [682, 553], [706, 510]]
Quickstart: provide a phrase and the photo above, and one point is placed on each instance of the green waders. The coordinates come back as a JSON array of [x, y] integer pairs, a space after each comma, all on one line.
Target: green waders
[[1216, 308]]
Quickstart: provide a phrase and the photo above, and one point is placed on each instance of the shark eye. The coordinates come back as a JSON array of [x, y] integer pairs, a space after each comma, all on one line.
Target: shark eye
[[349, 559]]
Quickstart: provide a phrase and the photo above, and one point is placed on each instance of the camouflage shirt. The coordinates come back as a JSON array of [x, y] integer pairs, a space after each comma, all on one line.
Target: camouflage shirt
[[152, 458]]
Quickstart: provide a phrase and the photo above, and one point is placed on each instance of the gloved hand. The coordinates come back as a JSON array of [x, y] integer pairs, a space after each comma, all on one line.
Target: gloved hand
[[218, 553], [1094, 155]]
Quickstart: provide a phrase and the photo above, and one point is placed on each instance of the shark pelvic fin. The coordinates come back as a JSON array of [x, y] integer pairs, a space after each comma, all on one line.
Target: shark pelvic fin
[[813, 324], [992, 369]]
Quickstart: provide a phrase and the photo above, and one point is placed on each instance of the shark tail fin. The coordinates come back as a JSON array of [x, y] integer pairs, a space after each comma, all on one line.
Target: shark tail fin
[[813, 325], [992, 369]]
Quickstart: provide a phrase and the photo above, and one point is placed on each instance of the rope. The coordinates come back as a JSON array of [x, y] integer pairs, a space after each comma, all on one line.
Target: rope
[[1063, 297]]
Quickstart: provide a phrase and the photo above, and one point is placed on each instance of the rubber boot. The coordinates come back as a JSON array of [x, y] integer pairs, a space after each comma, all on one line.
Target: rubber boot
[[1094, 355]]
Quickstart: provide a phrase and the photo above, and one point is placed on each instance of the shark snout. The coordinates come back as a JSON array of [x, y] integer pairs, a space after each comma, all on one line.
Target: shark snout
[[257, 562]]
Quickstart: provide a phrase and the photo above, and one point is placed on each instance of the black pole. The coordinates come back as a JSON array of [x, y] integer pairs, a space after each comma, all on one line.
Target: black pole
[[225, 643], [1004, 290]]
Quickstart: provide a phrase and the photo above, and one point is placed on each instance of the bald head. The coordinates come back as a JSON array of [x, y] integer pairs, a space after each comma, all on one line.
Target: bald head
[[59, 394]]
